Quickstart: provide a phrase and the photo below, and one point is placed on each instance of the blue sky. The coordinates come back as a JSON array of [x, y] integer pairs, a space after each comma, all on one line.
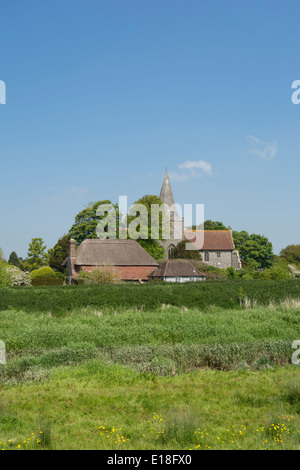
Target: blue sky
[[102, 96]]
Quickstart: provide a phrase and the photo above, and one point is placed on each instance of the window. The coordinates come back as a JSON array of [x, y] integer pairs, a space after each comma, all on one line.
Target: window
[[206, 256], [218, 254], [171, 251]]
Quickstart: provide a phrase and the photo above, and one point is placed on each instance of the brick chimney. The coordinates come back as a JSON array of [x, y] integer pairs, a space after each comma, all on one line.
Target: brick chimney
[[72, 257]]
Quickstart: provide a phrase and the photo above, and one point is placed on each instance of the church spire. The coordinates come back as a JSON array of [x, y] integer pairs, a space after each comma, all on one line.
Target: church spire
[[166, 194]]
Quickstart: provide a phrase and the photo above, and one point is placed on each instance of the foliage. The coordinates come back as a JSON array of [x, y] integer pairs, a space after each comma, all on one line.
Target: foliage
[[279, 270], [87, 220], [43, 273], [36, 256], [59, 253], [210, 225], [5, 274], [180, 252], [255, 249], [18, 277], [146, 227], [292, 254], [104, 275], [47, 282], [14, 259], [202, 295]]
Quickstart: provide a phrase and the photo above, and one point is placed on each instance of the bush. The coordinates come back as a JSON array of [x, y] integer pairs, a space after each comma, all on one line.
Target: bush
[[105, 275], [47, 282], [11, 276], [18, 277], [43, 273]]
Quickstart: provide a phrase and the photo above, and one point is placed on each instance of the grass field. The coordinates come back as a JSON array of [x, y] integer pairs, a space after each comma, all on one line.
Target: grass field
[[166, 377]]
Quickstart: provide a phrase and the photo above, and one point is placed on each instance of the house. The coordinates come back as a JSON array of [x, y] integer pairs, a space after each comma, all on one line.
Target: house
[[177, 270], [127, 256], [218, 249]]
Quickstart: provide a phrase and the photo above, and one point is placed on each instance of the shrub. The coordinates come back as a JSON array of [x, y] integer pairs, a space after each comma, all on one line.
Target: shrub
[[105, 275], [43, 273], [18, 277], [47, 282]]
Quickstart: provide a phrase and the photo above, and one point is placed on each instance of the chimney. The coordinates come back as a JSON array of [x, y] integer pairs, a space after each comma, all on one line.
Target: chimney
[[72, 257]]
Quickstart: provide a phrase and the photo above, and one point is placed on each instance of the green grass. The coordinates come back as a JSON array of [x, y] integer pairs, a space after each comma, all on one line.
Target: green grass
[[79, 406], [161, 378]]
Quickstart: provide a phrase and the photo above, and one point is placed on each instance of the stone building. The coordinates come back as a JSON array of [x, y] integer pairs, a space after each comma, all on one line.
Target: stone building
[[218, 246]]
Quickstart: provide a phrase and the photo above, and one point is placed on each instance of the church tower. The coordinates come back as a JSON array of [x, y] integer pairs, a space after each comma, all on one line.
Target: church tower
[[176, 222]]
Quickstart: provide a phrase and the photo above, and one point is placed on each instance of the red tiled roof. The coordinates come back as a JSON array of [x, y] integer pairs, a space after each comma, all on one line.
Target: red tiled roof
[[214, 240]]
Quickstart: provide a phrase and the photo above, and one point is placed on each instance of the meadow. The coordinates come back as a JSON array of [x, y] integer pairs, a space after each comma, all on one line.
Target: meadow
[[157, 375]]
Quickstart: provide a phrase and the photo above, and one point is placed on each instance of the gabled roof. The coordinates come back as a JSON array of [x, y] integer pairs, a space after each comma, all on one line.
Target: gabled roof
[[112, 252], [176, 268], [214, 240]]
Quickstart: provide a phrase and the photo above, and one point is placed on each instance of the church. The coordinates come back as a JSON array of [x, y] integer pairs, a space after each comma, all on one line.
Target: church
[[218, 247]]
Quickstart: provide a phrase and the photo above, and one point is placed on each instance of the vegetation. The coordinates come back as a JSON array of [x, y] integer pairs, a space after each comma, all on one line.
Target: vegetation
[[36, 256], [200, 295], [170, 378], [147, 231], [87, 220], [254, 249], [105, 275], [180, 252], [59, 253], [291, 254]]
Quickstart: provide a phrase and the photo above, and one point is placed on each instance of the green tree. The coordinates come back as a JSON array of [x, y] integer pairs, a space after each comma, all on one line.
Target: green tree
[[180, 252], [210, 225], [36, 256], [254, 249], [13, 259], [59, 253], [87, 220], [147, 227], [292, 254]]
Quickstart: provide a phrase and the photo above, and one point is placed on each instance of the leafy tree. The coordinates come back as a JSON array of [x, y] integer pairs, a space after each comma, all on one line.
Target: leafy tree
[[36, 256], [59, 253], [87, 220], [180, 252], [254, 249], [13, 259], [292, 254], [145, 226], [210, 225]]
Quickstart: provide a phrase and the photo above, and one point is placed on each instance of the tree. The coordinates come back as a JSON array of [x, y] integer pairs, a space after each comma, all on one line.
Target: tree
[[254, 249], [87, 220], [36, 256], [13, 259], [291, 253], [59, 253], [180, 252], [210, 225], [142, 224]]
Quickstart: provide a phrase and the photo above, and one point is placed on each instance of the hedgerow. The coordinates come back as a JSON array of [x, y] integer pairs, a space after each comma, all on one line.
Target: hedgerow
[[225, 294]]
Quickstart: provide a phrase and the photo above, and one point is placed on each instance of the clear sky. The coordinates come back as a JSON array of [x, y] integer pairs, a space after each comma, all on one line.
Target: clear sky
[[103, 95]]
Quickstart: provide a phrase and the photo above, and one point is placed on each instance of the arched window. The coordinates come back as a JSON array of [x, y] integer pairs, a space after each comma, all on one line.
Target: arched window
[[171, 251], [206, 256]]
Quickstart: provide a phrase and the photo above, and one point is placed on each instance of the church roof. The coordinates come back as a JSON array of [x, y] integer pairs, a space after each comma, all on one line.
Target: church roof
[[166, 194], [214, 240]]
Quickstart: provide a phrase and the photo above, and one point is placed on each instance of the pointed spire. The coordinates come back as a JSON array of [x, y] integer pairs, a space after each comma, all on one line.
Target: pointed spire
[[166, 194]]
